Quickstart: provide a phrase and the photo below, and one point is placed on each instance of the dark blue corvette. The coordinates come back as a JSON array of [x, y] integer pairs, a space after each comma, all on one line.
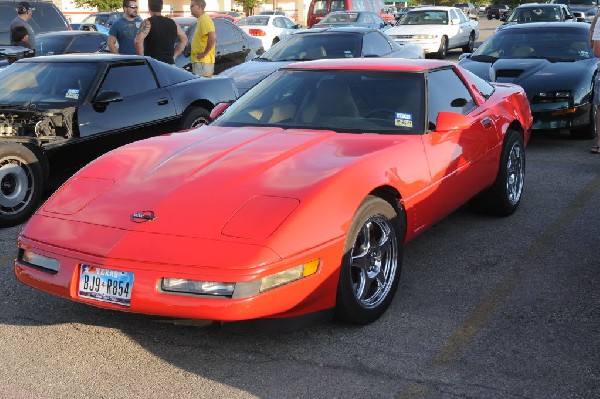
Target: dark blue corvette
[[553, 62], [59, 112]]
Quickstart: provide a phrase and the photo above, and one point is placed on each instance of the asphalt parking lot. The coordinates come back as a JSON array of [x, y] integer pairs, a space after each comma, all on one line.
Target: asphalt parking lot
[[486, 308]]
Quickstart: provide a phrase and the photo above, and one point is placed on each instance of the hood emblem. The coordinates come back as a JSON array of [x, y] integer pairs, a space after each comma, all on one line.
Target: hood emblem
[[143, 216]]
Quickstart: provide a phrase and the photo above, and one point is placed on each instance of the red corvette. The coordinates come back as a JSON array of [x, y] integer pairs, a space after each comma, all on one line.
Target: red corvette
[[294, 203]]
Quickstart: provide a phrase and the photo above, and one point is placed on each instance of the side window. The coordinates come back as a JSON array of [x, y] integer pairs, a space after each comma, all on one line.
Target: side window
[[129, 80], [289, 23], [462, 17], [86, 44], [279, 23], [367, 18], [443, 87], [452, 14], [375, 44], [226, 33]]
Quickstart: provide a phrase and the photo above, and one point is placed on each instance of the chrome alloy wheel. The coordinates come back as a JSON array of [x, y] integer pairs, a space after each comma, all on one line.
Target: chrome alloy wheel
[[373, 261], [515, 175], [16, 185]]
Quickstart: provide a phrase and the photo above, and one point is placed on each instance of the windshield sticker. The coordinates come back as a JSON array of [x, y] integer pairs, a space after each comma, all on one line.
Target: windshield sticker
[[347, 54], [72, 93], [403, 120]]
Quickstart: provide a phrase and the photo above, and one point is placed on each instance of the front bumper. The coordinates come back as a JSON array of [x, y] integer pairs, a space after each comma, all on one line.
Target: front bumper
[[311, 294], [546, 117], [428, 45]]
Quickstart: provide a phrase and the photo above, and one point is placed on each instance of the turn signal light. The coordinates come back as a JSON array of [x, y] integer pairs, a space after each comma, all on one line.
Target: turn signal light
[[257, 32]]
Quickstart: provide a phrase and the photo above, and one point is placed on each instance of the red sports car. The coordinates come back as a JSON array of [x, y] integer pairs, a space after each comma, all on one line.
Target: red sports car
[[293, 204]]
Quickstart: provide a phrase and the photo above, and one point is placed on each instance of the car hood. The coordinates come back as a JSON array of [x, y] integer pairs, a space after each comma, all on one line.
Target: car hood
[[250, 73], [236, 183], [534, 75], [582, 7]]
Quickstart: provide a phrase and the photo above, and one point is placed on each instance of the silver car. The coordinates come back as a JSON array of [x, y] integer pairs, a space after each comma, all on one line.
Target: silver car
[[468, 9]]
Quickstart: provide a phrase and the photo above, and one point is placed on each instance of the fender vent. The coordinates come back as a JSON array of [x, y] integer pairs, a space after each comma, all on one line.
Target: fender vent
[[509, 73]]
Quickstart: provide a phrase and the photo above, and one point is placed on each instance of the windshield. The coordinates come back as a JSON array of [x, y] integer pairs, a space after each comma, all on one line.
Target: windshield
[[553, 44], [305, 47], [51, 45], [535, 14], [333, 18], [254, 21], [344, 101], [67, 84], [433, 17]]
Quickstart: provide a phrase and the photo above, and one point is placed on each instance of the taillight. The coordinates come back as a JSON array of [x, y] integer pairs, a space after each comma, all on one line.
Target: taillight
[[257, 32]]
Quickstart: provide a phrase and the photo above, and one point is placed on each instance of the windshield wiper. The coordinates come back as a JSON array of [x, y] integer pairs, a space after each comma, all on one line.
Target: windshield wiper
[[549, 59], [484, 58], [262, 59]]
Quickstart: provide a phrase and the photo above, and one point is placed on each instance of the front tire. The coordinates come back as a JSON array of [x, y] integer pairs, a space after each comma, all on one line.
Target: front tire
[[21, 184], [586, 132], [195, 117], [504, 196], [372, 262], [443, 50]]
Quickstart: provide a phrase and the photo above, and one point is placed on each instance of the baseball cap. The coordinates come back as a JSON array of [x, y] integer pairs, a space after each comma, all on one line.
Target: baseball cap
[[25, 6]]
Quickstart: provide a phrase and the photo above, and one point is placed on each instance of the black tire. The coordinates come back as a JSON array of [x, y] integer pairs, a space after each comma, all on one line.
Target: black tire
[[586, 132], [195, 117], [21, 183], [275, 41], [372, 262], [443, 50], [504, 196], [468, 48]]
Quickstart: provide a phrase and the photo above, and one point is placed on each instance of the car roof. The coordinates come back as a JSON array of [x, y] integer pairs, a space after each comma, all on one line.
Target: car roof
[[341, 29], [71, 33], [554, 25], [372, 64], [428, 8], [96, 57], [541, 5]]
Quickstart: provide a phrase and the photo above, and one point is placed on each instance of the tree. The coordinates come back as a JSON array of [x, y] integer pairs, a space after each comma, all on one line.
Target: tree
[[247, 5], [101, 5]]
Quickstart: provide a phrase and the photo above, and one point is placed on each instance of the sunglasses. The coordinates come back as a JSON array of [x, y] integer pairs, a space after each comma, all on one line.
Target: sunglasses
[[133, 7]]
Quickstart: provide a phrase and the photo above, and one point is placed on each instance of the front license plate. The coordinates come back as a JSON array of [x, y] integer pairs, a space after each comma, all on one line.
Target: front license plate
[[105, 284]]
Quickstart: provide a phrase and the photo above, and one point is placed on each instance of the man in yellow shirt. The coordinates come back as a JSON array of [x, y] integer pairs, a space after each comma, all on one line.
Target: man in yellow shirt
[[203, 42]]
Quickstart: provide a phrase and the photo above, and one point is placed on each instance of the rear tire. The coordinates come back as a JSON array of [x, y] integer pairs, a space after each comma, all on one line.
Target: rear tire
[[443, 50], [195, 117], [468, 48], [504, 196], [21, 184]]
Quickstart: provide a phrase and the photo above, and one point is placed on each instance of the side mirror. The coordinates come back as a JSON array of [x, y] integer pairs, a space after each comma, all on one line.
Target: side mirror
[[447, 121], [455, 21], [108, 96], [218, 110]]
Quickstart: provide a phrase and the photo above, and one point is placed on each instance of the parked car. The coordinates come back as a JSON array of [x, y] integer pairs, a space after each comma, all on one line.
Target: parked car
[[497, 11], [468, 9], [400, 13], [315, 44], [226, 222], [317, 9], [270, 29], [10, 54], [46, 18], [234, 46], [66, 42], [365, 19], [553, 62], [102, 21], [583, 10], [535, 12], [58, 113], [437, 29]]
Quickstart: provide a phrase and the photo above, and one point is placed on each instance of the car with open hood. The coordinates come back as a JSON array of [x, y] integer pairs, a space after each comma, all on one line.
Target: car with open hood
[[59, 112], [553, 62], [294, 205]]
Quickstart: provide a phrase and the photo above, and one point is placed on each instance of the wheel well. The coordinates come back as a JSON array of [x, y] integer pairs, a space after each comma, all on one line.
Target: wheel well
[[516, 126], [42, 158], [391, 196], [200, 103]]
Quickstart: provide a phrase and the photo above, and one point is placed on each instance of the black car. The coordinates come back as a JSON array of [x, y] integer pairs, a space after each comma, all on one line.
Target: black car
[[583, 10], [234, 46], [318, 43], [59, 112], [553, 62], [67, 42], [535, 12], [101, 21], [497, 11], [45, 18]]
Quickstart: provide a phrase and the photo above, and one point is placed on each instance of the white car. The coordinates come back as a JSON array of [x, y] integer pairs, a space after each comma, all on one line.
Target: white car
[[436, 29], [270, 29]]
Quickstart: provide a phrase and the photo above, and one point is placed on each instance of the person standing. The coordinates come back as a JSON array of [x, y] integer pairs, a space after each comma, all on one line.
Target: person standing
[[24, 13], [20, 36], [123, 31], [157, 35], [204, 41], [595, 40]]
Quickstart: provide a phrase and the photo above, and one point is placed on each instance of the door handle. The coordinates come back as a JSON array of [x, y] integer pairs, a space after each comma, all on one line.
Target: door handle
[[162, 101]]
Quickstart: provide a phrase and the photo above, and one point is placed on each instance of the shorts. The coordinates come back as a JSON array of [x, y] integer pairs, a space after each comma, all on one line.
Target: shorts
[[596, 100], [203, 69]]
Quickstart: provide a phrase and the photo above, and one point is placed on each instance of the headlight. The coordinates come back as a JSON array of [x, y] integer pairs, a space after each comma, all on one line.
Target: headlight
[[240, 289], [551, 96]]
